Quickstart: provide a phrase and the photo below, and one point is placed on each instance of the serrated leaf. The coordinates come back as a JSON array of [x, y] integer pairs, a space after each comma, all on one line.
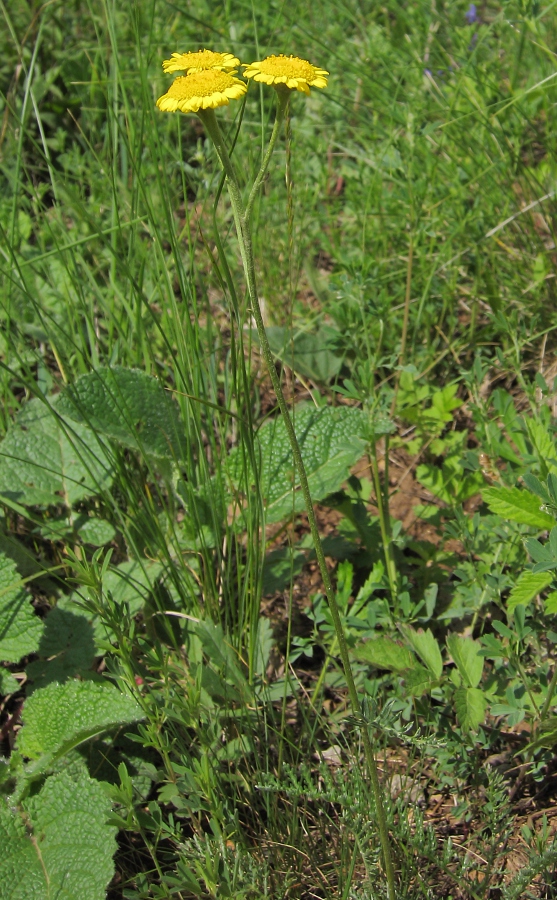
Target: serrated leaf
[[57, 845], [518, 506], [542, 441], [331, 441], [130, 407], [427, 649], [539, 552], [537, 487], [527, 587], [46, 459], [20, 628], [61, 716], [418, 680], [466, 655], [471, 704], [551, 603], [384, 653]]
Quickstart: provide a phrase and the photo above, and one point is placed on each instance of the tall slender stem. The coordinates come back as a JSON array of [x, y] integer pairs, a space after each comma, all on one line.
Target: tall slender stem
[[405, 318], [282, 105], [244, 238]]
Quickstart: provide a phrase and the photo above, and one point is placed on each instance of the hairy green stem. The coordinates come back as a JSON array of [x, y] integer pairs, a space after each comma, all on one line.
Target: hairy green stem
[[244, 238]]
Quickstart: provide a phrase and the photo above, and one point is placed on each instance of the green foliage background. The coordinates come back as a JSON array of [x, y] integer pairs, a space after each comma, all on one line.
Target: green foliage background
[[138, 468]]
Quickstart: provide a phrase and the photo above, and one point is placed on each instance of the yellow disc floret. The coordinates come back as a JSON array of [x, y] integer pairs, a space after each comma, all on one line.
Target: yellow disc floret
[[199, 61], [297, 74], [201, 90]]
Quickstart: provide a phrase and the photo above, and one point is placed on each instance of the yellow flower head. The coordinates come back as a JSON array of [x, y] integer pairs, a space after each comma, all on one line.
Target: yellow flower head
[[297, 74], [198, 62], [201, 90]]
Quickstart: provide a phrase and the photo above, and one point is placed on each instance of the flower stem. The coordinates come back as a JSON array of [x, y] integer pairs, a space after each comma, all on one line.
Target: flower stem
[[283, 98], [244, 238]]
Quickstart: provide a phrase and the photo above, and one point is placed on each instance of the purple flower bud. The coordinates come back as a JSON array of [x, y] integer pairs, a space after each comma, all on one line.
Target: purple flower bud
[[471, 15]]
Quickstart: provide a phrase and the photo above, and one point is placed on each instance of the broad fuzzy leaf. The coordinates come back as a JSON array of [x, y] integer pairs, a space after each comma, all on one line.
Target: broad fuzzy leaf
[[67, 647], [331, 441], [20, 628], [57, 846], [128, 406], [518, 506], [471, 705], [527, 587], [61, 716], [466, 654], [384, 653], [47, 460]]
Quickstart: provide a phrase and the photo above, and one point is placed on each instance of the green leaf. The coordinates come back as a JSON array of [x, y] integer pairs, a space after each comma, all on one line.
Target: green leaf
[[466, 655], [331, 441], [8, 684], [543, 443], [448, 482], [129, 583], [67, 647], [219, 650], [551, 603], [418, 680], [132, 582], [20, 628], [528, 586], [384, 653], [57, 845], [471, 704], [128, 406], [427, 649], [308, 354], [518, 506], [61, 716], [264, 643], [46, 459], [546, 736], [96, 532], [279, 567]]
